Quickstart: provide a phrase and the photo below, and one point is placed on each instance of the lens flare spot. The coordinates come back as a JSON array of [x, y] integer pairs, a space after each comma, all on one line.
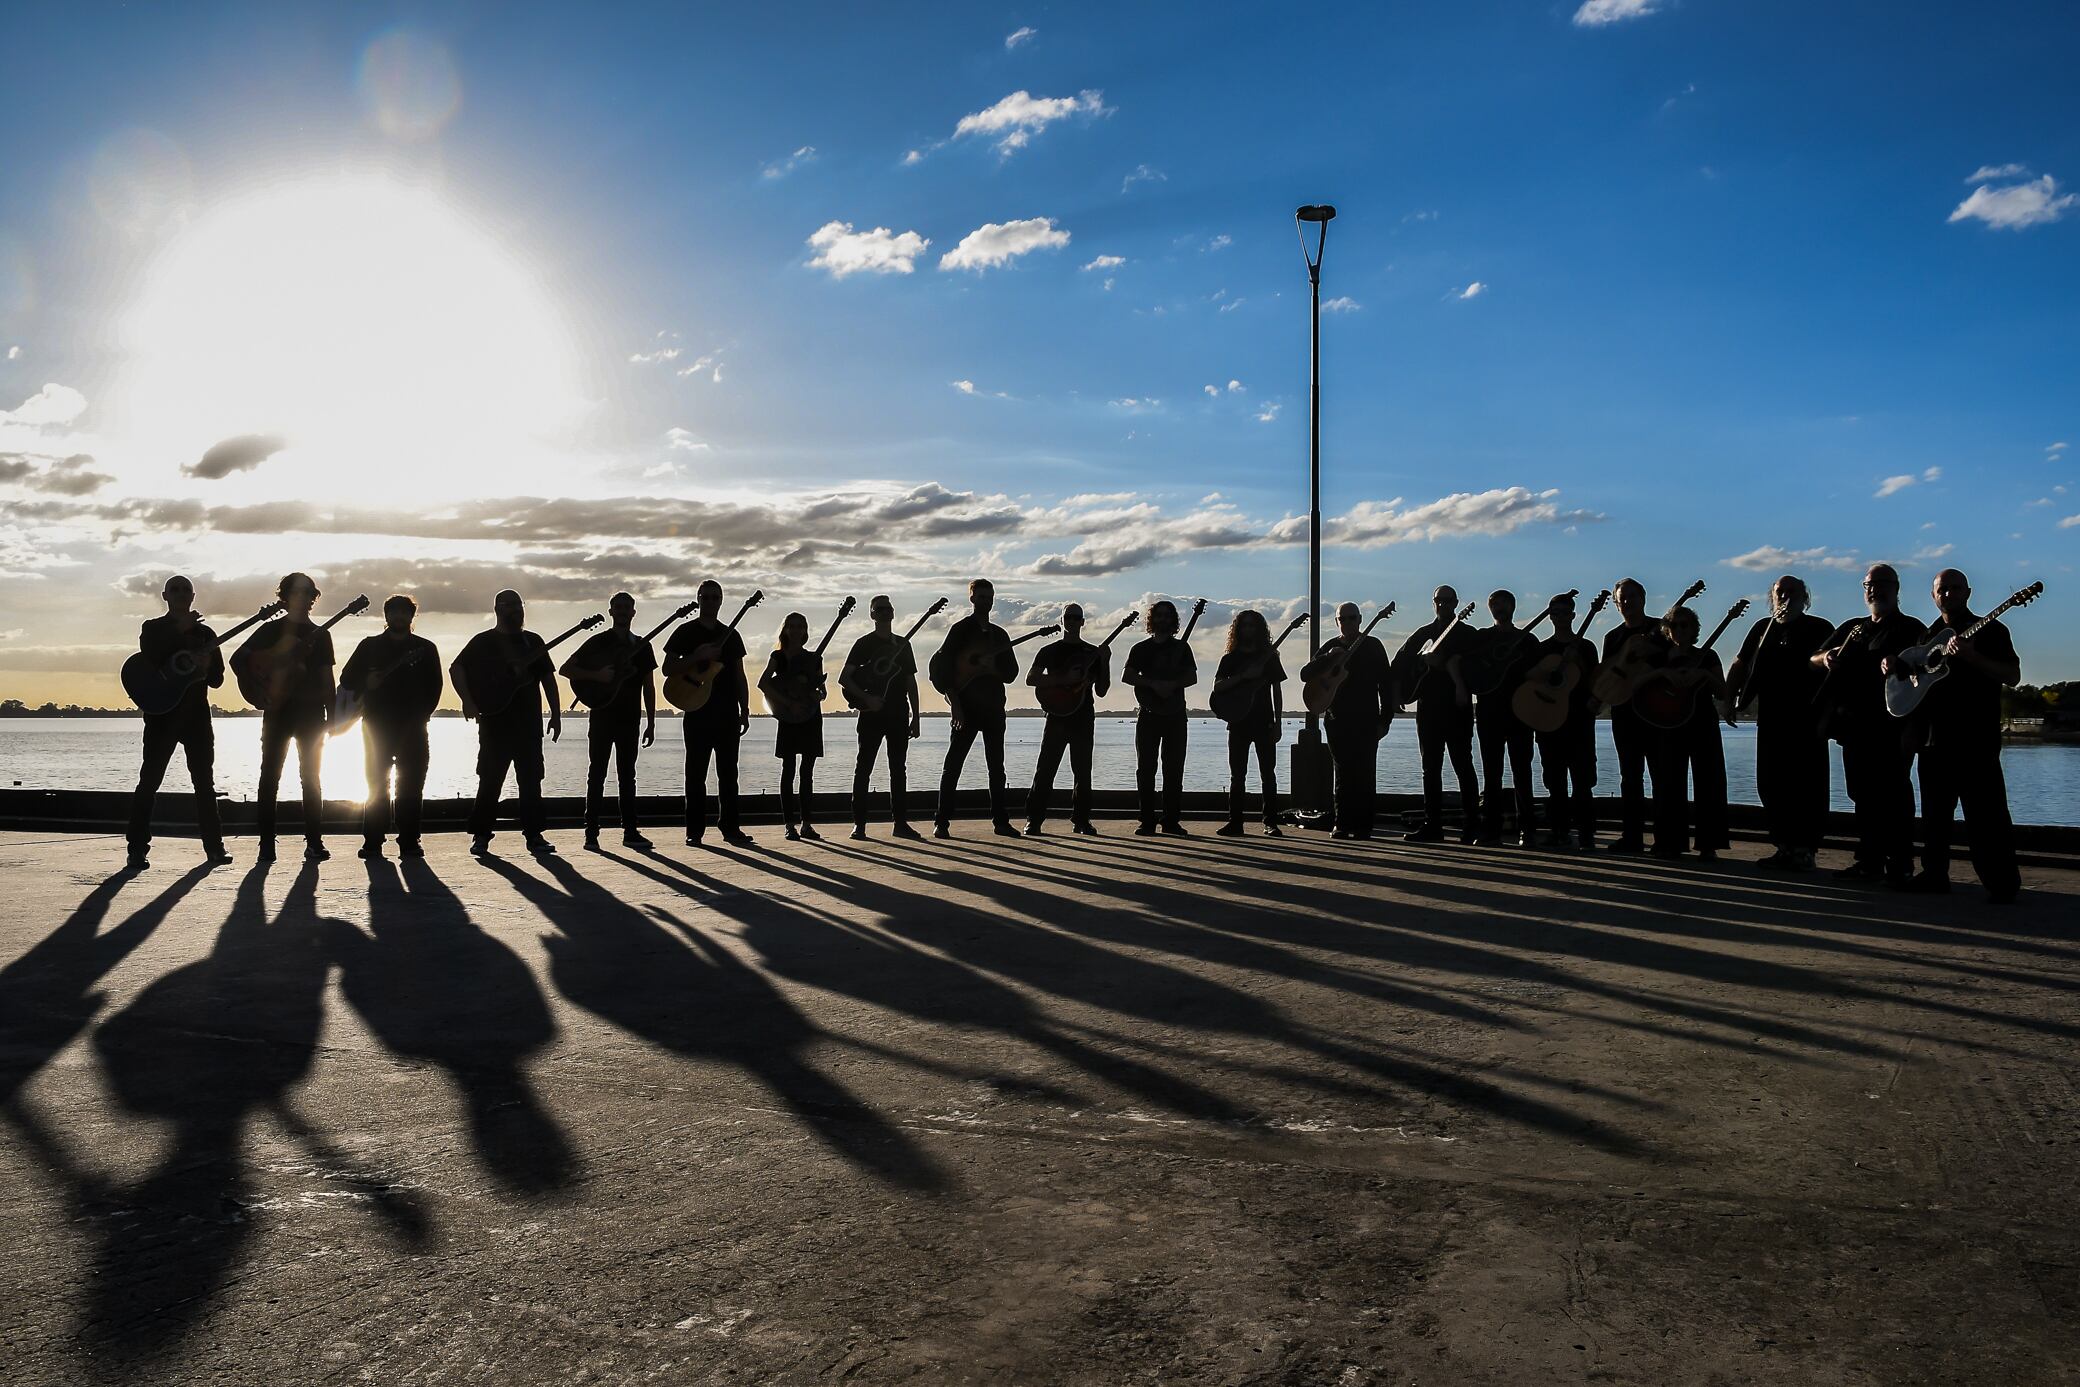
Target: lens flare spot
[[408, 85]]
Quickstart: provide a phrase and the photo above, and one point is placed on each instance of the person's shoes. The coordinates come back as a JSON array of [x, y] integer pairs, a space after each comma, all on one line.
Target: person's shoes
[[1807, 860], [370, 852], [1343, 833], [1086, 828], [136, 861], [410, 849], [632, 839], [1145, 831], [314, 851], [1927, 884], [540, 846], [1859, 871], [1174, 829], [1587, 841], [1528, 838], [859, 833], [1273, 831], [736, 838], [1231, 829], [1033, 829], [693, 840], [940, 830], [905, 831], [790, 835], [2004, 895], [1491, 839], [1628, 845], [810, 834], [1470, 835], [1707, 854], [1005, 829], [1556, 840], [215, 856], [266, 852], [480, 845], [1668, 854], [1428, 833], [592, 842], [1782, 860]]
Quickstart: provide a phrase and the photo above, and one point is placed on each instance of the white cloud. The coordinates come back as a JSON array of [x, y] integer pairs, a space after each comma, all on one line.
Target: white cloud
[[1105, 262], [1269, 412], [1025, 33], [1109, 282], [1342, 303], [2055, 449], [1986, 173], [843, 251], [2069, 522], [13, 353], [647, 358], [1214, 391], [1932, 552], [1471, 291], [1021, 115], [780, 168], [54, 404], [1143, 173], [915, 156], [997, 243], [1136, 404], [966, 387], [1234, 386], [1893, 485], [1596, 13], [1425, 214], [684, 441], [1933, 474], [969, 388], [1232, 304], [1221, 242], [2017, 205], [1772, 559], [712, 361]]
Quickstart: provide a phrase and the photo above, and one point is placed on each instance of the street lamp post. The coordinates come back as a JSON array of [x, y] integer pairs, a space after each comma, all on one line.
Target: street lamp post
[[1311, 772]]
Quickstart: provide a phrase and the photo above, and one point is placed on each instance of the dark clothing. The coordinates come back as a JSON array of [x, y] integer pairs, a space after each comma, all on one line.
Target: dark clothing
[[1242, 739], [706, 740], [795, 808], [979, 703], [1355, 750], [1853, 697], [1444, 729], [506, 744], [1690, 778], [718, 718], [1961, 765], [1073, 733], [1877, 753], [611, 648], [1415, 681], [892, 654], [1877, 770], [1503, 656], [488, 664], [1065, 657], [1637, 740], [619, 738], [1777, 674], [1159, 741], [957, 745], [1365, 698], [1154, 658], [297, 695], [185, 726], [1567, 755], [1963, 711], [1503, 737], [872, 733], [1261, 720], [306, 727], [394, 694], [404, 747], [795, 738]]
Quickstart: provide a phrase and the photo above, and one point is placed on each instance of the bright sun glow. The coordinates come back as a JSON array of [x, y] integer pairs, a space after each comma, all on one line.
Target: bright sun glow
[[383, 336]]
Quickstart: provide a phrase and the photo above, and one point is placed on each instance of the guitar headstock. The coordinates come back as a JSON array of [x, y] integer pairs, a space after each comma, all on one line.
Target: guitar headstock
[[1384, 612], [1198, 609], [680, 612], [1738, 609], [1599, 602], [758, 595], [276, 608], [1050, 630], [2024, 596], [845, 607], [596, 619], [938, 606], [1464, 612], [1693, 590]]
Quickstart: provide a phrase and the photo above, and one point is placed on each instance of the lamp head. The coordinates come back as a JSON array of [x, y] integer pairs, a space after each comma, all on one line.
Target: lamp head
[[1312, 213]]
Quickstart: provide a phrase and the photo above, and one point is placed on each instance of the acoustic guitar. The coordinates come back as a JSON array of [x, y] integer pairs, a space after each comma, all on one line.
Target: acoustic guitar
[[799, 697], [1143, 696], [688, 690], [266, 673], [1073, 695], [1425, 673], [878, 675], [348, 706], [1662, 701], [1919, 668], [1320, 691], [1637, 658], [1234, 700], [596, 693], [1485, 667], [159, 688], [1542, 701], [496, 681]]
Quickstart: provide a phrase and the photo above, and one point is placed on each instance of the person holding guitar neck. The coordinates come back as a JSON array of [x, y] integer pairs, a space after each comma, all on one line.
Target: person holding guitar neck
[[1444, 715], [887, 707], [1961, 760], [1067, 663], [1509, 648], [714, 730], [509, 738], [1159, 670], [296, 711], [977, 706], [1774, 669], [1357, 719], [795, 743], [1877, 756], [619, 660], [1567, 754], [1249, 647], [1631, 734], [397, 677], [186, 725], [1690, 765]]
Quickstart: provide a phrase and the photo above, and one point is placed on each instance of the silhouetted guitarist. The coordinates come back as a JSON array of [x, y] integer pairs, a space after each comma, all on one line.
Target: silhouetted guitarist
[[397, 677], [1444, 715], [508, 667], [1502, 734], [620, 664], [715, 730], [976, 701], [297, 710], [1159, 670], [1634, 737], [1359, 717], [186, 725], [1066, 663], [1774, 670], [1567, 754], [1877, 753], [1250, 665], [880, 679], [1961, 761]]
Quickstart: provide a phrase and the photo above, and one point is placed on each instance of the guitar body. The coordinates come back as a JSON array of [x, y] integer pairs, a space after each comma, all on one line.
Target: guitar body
[[797, 699], [690, 689], [1543, 700], [1621, 676], [155, 689], [1232, 704], [1065, 699], [1926, 668], [272, 670], [494, 686], [1321, 690], [1664, 705]]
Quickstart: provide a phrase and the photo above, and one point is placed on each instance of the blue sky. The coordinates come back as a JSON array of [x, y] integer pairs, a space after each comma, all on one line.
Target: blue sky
[[1725, 300]]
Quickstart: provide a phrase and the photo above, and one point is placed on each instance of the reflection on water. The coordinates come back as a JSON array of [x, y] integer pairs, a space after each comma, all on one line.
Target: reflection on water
[[101, 754]]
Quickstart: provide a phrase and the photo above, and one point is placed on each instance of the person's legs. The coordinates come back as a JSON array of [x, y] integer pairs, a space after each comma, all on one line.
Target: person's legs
[[699, 751], [527, 778], [1634, 742], [1494, 747], [1054, 740], [408, 803], [1671, 825], [1989, 829], [1708, 777], [626, 749], [1267, 777], [310, 758], [898, 775], [1173, 770], [1776, 773], [1810, 791], [993, 758], [599, 746], [1898, 801], [957, 746], [375, 808], [1460, 748], [1081, 735], [1148, 740], [808, 791], [274, 749], [863, 773], [1938, 812], [1860, 777], [494, 758], [199, 741], [727, 745], [1430, 740], [1519, 741], [161, 736], [1581, 762], [1238, 771], [787, 764]]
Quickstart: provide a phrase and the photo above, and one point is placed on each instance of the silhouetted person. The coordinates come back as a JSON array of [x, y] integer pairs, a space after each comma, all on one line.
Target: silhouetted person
[[1068, 663], [1692, 758], [797, 744], [1502, 735], [1877, 753], [299, 705], [713, 731], [975, 699], [880, 677], [1775, 668], [1961, 760], [1249, 645], [502, 676], [186, 725], [1159, 669], [1358, 718], [619, 667], [1631, 734], [1444, 715], [1567, 754], [397, 677]]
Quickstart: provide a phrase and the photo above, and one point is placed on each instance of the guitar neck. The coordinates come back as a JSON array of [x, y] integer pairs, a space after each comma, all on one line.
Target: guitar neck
[[586, 624], [254, 620], [1186, 634], [1032, 636], [824, 644], [1718, 631], [654, 632]]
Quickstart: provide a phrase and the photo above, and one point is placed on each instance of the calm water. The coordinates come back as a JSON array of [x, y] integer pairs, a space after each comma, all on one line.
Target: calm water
[[101, 754]]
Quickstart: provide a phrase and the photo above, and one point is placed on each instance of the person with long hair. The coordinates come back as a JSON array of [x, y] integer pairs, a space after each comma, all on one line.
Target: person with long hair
[[1159, 670], [1251, 665], [1690, 773], [797, 744]]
